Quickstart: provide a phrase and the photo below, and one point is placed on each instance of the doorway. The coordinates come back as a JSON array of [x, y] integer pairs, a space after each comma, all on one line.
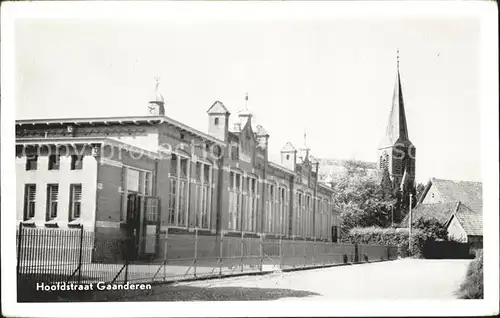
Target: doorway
[[143, 226]]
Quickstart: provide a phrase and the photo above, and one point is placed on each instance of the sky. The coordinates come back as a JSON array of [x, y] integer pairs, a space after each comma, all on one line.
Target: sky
[[333, 77]]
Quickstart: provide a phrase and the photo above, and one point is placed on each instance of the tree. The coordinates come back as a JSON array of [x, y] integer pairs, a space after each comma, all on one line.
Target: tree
[[432, 228], [362, 199], [420, 190]]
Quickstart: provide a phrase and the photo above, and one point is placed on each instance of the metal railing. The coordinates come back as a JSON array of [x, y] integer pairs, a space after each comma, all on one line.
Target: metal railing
[[51, 256]]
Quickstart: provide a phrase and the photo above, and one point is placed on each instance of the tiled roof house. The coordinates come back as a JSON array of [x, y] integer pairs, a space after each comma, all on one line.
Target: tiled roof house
[[457, 204]]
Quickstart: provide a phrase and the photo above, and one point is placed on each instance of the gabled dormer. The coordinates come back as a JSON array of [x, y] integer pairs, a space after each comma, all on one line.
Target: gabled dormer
[[247, 142], [218, 121], [289, 156]]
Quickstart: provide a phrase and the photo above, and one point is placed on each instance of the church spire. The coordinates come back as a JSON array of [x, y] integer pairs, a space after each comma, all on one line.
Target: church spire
[[397, 128]]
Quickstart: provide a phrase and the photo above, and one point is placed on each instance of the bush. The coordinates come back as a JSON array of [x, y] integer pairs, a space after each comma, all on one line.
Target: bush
[[472, 287], [433, 229], [417, 244], [384, 236], [424, 230]]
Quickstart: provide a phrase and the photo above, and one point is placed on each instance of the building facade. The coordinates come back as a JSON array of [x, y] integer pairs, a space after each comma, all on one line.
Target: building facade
[[150, 174]]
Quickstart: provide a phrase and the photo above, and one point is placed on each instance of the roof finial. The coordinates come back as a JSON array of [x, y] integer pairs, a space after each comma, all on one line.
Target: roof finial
[[305, 138], [158, 97], [397, 57], [157, 79], [246, 101]]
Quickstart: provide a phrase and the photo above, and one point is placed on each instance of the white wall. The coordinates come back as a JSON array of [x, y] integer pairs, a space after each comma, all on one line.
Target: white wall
[[148, 142], [429, 196], [64, 177], [456, 232]]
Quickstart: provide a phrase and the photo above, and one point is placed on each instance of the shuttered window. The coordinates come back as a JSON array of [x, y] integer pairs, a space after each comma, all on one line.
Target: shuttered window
[[52, 201], [75, 201], [29, 201]]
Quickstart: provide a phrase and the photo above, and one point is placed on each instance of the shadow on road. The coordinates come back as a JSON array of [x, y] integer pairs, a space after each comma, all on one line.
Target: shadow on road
[[178, 293]]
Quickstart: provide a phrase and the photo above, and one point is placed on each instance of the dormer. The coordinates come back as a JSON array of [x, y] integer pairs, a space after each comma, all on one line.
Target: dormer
[[289, 156], [218, 121]]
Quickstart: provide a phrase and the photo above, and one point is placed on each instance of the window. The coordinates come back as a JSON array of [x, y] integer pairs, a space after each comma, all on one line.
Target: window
[[29, 201], [54, 162], [334, 234], [75, 201], [179, 173], [235, 201], [173, 165], [52, 200], [216, 121], [202, 195], [282, 211], [172, 201], [287, 157], [133, 180], [252, 205], [31, 162], [76, 162]]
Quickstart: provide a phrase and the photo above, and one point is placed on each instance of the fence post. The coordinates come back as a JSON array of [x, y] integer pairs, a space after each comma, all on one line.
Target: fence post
[[129, 252], [314, 253], [261, 252], [242, 253], [19, 249], [220, 253], [165, 257], [80, 257], [195, 249], [305, 251], [281, 252]]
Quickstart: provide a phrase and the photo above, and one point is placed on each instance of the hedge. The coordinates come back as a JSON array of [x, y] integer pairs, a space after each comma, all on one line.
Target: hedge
[[472, 287], [389, 236]]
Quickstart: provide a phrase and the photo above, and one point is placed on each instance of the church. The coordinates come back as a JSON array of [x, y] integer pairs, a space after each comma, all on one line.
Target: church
[[396, 153]]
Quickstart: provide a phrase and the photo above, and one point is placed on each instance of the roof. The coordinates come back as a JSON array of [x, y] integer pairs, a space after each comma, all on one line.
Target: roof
[[260, 130], [450, 190], [470, 220], [288, 147], [281, 167], [137, 120], [218, 108], [441, 211], [397, 128], [105, 141], [476, 205]]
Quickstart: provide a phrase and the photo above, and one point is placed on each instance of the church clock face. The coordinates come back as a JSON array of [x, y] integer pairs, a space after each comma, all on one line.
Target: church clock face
[[152, 110]]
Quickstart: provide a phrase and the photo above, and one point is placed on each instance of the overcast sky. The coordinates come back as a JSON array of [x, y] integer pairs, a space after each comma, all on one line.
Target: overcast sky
[[334, 77]]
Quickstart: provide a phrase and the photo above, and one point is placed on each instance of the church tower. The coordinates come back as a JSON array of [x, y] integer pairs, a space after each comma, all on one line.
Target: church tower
[[396, 152], [156, 106]]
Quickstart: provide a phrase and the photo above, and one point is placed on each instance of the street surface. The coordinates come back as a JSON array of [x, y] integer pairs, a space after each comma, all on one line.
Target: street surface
[[400, 279]]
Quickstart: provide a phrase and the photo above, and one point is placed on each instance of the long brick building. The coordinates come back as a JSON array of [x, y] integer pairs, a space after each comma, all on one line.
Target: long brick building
[[151, 174]]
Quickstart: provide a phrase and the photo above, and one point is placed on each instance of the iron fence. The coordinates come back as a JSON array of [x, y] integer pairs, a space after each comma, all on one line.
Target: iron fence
[[51, 256]]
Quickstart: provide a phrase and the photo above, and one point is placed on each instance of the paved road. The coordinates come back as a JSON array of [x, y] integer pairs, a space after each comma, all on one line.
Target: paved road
[[400, 279]]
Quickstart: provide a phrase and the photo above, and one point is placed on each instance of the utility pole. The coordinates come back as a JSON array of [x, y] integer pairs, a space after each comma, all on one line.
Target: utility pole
[[409, 226], [392, 215]]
